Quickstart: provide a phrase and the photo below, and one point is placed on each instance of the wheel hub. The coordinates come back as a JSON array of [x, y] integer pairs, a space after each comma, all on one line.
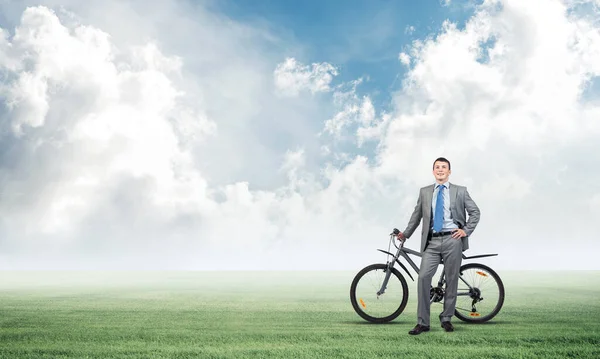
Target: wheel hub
[[475, 294]]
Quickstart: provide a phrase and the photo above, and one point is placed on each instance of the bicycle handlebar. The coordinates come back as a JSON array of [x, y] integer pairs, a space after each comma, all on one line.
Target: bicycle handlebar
[[395, 234]]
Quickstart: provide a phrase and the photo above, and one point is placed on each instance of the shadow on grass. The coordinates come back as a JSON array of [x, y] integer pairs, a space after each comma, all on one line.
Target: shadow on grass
[[499, 322], [406, 322]]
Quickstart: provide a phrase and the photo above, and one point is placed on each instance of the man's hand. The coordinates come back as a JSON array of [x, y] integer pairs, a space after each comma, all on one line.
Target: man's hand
[[458, 233], [400, 236]]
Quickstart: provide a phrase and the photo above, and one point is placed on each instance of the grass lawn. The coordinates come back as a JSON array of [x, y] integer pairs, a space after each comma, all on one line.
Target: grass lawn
[[278, 315]]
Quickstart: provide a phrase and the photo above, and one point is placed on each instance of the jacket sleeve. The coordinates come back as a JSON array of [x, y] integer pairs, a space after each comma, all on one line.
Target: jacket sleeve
[[415, 218], [473, 212]]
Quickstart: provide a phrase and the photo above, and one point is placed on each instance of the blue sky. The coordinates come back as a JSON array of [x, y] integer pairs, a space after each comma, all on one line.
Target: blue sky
[[362, 38]]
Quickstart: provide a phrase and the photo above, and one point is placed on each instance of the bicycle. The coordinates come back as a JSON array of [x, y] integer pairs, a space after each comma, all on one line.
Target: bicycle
[[378, 298]]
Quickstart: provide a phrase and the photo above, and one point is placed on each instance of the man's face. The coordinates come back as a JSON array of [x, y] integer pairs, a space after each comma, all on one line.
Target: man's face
[[441, 171]]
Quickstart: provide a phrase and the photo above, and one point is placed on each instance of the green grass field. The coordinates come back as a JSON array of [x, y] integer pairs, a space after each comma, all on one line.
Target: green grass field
[[278, 315]]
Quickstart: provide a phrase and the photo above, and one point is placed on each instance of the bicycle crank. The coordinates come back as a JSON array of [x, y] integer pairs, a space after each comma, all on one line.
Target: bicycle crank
[[436, 294]]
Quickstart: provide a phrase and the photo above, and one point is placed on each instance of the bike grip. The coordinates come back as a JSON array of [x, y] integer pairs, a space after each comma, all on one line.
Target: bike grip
[[395, 232]]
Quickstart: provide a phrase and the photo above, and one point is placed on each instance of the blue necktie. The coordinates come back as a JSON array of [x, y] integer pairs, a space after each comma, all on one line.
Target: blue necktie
[[438, 217]]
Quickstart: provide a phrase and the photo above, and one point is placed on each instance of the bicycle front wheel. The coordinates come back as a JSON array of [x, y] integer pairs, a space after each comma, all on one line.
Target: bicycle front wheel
[[480, 294], [382, 307]]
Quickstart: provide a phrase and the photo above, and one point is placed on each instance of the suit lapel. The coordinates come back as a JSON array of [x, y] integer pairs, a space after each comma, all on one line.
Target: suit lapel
[[428, 200]]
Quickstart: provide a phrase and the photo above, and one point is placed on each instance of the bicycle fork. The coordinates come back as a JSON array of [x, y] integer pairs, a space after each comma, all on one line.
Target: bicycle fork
[[388, 273]]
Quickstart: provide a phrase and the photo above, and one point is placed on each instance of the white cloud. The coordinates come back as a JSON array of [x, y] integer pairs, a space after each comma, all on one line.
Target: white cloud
[[119, 145], [292, 77], [595, 204], [357, 114], [499, 120], [141, 157], [341, 119], [404, 59], [508, 187], [104, 120]]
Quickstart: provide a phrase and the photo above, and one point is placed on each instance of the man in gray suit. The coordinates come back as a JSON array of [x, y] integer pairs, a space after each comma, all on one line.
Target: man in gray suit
[[444, 236]]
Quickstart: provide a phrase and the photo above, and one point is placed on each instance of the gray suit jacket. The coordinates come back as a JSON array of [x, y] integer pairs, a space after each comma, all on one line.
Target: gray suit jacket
[[460, 204]]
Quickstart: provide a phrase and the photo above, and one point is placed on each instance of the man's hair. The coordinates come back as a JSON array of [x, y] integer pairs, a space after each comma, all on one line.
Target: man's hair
[[441, 159]]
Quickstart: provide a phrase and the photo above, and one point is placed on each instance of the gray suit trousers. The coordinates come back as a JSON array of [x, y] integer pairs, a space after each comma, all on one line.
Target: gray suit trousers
[[449, 250]]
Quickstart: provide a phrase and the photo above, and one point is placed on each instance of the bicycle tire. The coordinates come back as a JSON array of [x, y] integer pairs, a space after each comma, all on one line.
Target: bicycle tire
[[396, 307], [484, 273]]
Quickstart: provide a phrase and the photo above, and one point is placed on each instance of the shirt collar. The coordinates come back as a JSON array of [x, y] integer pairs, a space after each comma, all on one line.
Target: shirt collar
[[445, 184]]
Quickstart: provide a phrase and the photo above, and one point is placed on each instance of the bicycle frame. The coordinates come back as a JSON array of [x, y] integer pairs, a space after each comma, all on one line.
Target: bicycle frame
[[404, 252]]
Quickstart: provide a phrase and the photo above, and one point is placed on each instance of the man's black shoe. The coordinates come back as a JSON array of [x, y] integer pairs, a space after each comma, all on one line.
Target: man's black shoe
[[418, 330], [447, 326]]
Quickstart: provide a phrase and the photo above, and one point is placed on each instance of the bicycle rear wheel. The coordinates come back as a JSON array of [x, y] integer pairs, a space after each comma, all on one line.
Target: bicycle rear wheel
[[378, 308], [485, 297]]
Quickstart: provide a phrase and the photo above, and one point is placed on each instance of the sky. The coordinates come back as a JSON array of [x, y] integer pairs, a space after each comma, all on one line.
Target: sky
[[273, 135]]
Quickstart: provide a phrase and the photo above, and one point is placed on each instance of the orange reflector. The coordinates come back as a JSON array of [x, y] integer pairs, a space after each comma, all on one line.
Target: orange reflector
[[362, 303], [482, 274], [475, 314]]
